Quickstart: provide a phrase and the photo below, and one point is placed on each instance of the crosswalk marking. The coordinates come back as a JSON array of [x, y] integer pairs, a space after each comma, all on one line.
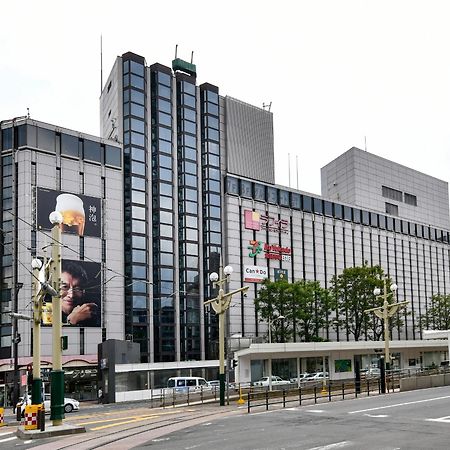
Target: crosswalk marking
[[5, 434], [8, 439], [445, 419]]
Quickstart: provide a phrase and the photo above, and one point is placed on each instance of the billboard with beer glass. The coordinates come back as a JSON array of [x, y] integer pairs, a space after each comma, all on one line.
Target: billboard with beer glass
[[80, 295], [81, 214]]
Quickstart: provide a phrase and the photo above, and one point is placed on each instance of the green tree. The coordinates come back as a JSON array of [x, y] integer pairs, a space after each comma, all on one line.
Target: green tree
[[353, 294], [437, 315], [304, 304]]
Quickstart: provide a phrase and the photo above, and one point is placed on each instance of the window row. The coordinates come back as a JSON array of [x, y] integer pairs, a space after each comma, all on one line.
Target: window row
[[61, 143], [314, 205]]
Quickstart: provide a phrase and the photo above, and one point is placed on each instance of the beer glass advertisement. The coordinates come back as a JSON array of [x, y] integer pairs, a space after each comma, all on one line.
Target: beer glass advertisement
[[80, 295], [81, 214]]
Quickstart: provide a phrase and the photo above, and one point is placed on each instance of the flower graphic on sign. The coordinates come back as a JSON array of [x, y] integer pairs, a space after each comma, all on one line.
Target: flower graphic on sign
[[255, 248]]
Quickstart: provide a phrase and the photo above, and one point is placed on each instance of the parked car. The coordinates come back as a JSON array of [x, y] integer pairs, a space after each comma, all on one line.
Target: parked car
[[276, 381], [300, 378], [70, 404], [184, 384], [317, 376], [373, 372]]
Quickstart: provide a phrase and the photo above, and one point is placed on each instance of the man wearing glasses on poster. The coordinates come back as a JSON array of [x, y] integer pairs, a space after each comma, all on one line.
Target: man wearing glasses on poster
[[77, 307]]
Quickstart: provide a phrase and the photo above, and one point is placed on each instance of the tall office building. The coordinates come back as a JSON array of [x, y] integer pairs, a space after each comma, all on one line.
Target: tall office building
[[179, 138]]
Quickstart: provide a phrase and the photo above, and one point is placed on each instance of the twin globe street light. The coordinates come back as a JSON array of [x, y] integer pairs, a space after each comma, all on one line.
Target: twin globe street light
[[220, 305]]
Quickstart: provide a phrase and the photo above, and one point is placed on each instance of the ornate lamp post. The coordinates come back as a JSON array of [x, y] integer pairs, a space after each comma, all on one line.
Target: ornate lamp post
[[57, 373], [220, 305], [385, 312]]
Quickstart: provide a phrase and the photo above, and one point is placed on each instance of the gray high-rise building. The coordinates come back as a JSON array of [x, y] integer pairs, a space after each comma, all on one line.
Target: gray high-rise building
[[179, 139]]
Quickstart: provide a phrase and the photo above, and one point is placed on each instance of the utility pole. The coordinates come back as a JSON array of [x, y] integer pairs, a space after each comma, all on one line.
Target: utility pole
[[36, 390], [220, 305], [57, 374]]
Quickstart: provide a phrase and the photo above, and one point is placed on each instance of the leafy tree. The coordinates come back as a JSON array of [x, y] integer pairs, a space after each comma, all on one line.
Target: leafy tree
[[437, 315], [353, 294], [304, 304]]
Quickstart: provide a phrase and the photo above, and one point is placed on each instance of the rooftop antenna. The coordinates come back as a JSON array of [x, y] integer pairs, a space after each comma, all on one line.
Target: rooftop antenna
[[192, 57], [296, 163], [28, 113], [267, 105], [176, 51], [289, 168], [365, 143], [101, 64]]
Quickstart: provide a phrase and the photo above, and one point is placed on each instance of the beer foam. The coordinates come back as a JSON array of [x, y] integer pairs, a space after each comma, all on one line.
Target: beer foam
[[66, 202]]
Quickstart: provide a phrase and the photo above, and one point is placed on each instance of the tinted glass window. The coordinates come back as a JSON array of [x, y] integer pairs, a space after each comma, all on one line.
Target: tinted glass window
[[232, 186], [318, 206], [246, 188], [165, 133], [295, 201], [356, 215], [260, 192], [137, 97], [272, 195], [284, 198], [46, 139], [164, 78], [373, 219], [69, 145], [138, 154], [365, 218], [164, 105], [113, 156], [338, 211], [164, 91], [137, 68], [307, 203]]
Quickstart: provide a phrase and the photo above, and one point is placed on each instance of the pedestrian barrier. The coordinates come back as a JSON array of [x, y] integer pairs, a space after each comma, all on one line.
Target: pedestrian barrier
[[32, 416], [2, 417]]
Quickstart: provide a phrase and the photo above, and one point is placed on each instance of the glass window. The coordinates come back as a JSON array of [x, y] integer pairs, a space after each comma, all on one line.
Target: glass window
[[165, 133], [373, 219], [213, 134], [284, 198], [165, 119], [165, 174], [214, 199], [7, 138], [189, 100], [166, 274], [295, 201], [164, 91], [389, 223], [165, 202], [246, 189], [138, 125], [137, 110], [138, 139], [397, 225], [188, 87], [338, 211], [188, 194], [138, 154], [189, 127], [165, 146], [139, 272], [272, 195], [356, 215], [190, 207], [69, 145], [232, 186], [92, 150], [138, 212], [212, 122], [317, 202], [189, 114], [137, 82], [212, 185], [166, 259], [126, 66], [382, 221], [190, 167], [113, 156], [138, 226], [46, 139], [164, 106], [138, 242], [307, 203], [137, 68], [365, 218], [328, 208], [164, 78], [166, 217], [212, 109], [137, 168], [137, 97], [191, 249], [139, 301], [165, 161], [138, 197], [213, 148], [190, 153], [190, 141], [212, 97], [165, 189], [166, 245]]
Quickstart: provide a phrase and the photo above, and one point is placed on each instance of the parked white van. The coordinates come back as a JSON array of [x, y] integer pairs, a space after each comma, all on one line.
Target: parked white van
[[181, 384]]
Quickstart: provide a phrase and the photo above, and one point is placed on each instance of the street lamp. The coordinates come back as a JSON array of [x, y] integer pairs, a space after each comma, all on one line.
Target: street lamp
[[57, 374], [385, 312], [270, 323], [220, 305], [36, 389]]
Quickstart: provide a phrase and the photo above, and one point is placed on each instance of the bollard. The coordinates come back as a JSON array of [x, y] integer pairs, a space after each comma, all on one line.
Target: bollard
[[329, 392], [188, 397], [267, 400], [173, 397], [315, 394], [299, 396], [2, 417], [248, 402], [343, 391], [41, 419], [18, 413], [284, 398]]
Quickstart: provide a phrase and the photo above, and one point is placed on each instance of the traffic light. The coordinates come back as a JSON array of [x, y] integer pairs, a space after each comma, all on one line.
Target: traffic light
[[235, 363]]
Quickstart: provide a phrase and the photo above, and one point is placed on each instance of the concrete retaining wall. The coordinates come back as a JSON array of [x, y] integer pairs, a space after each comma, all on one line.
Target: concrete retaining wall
[[410, 384]]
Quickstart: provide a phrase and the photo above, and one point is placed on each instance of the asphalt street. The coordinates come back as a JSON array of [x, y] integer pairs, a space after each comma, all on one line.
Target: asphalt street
[[408, 420]]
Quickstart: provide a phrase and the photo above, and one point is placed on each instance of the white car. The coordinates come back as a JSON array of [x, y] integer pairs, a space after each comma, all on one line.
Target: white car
[[276, 381], [301, 378], [70, 404], [318, 376]]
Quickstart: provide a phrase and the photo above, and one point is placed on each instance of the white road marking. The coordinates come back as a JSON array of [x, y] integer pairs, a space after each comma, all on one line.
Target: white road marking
[[206, 424], [445, 419], [8, 439], [315, 410], [8, 432], [376, 415], [333, 446], [400, 404], [160, 439]]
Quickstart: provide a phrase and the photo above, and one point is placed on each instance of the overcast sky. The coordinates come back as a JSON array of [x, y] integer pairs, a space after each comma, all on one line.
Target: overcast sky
[[335, 71]]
